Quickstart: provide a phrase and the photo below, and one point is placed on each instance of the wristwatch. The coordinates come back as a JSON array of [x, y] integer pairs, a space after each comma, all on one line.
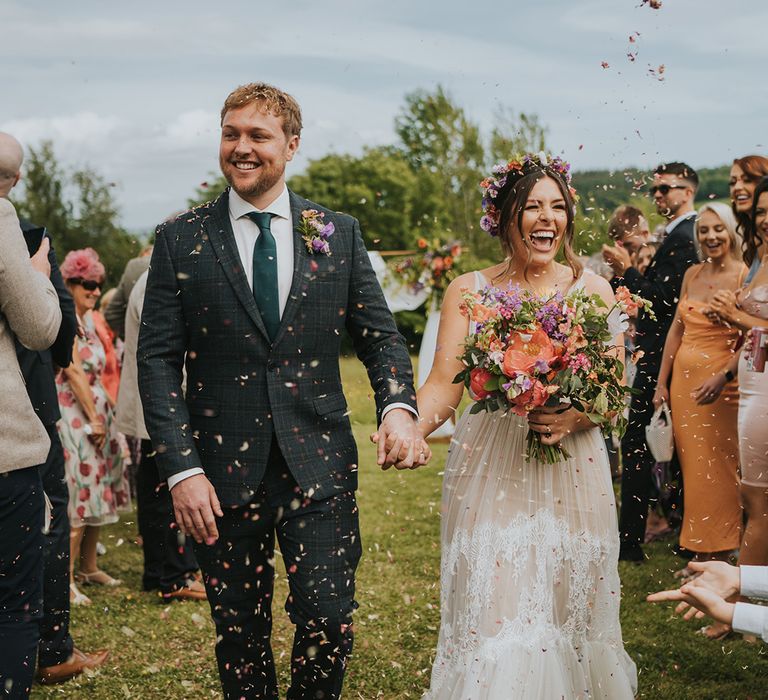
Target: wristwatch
[[729, 376]]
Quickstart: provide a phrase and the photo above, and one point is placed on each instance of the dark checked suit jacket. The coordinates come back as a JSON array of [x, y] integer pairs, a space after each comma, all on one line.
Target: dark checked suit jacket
[[661, 285], [199, 313]]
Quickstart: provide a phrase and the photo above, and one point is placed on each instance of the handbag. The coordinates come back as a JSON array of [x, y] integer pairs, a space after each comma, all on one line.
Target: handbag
[[659, 435]]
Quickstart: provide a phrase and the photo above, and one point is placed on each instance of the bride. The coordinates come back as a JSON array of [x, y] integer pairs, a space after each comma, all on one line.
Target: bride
[[529, 583]]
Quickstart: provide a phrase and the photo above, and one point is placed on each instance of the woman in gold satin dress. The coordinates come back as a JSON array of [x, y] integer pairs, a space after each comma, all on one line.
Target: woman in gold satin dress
[[705, 421]]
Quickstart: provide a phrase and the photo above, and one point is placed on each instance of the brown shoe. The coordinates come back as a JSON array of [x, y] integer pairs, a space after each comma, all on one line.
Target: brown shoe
[[73, 666], [191, 590]]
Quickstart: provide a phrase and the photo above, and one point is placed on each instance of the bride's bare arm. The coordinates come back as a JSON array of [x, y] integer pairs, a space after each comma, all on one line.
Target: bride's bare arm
[[439, 397]]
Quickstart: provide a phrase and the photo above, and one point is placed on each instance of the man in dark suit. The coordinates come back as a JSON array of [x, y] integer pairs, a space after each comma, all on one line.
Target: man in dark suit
[[251, 294], [58, 659], [673, 190]]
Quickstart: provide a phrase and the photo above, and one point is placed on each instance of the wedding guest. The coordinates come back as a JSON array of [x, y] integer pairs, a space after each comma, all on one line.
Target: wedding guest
[[58, 658], [643, 257], [696, 353], [673, 191], [169, 560], [29, 313], [709, 593], [116, 310], [110, 376], [746, 310], [629, 229], [745, 174], [93, 456]]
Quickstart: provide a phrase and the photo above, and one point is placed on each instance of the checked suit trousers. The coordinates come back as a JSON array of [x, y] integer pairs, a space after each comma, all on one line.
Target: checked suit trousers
[[320, 544]]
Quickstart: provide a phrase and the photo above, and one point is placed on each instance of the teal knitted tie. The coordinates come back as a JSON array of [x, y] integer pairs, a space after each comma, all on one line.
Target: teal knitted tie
[[265, 273]]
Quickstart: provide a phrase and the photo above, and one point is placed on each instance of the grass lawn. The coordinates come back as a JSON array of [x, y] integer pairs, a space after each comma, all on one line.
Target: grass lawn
[[167, 651]]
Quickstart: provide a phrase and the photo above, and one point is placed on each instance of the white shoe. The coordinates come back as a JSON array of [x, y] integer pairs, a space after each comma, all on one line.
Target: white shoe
[[76, 597]]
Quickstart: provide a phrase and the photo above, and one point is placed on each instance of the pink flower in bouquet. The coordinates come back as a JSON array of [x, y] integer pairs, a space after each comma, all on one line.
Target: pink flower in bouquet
[[481, 314], [624, 297], [535, 397], [477, 379], [525, 350], [579, 361], [576, 340]]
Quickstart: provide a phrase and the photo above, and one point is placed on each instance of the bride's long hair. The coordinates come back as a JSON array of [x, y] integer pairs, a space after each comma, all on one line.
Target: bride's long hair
[[512, 198]]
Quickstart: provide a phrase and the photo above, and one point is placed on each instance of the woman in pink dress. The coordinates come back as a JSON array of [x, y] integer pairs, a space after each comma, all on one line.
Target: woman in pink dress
[[95, 467], [747, 310]]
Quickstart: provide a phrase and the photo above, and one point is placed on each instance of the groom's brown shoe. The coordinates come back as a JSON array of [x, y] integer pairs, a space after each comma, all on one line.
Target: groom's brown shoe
[[191, 590], [73, 666]]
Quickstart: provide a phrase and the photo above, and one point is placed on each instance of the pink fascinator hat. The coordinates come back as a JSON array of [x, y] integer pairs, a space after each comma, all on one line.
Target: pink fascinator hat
[[83, 264]]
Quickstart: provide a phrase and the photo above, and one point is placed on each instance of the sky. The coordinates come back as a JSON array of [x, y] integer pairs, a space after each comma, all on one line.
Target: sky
[[133, 90]]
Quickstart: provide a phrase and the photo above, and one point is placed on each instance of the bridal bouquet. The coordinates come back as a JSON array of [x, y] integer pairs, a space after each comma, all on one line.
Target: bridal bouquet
[[528, 351]]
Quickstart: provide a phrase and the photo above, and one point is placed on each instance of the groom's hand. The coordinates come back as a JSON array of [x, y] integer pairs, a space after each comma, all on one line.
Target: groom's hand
[[399, 441], [194, 505]]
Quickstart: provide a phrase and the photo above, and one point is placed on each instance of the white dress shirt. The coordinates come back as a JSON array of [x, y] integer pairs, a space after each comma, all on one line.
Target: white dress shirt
[[748, 618], [246, 232], [672, 225]]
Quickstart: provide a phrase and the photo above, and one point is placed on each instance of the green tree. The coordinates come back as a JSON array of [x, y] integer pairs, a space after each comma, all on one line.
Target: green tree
[[208, 190], [78, 208], [445, 147], [379, 189], [514, 134]]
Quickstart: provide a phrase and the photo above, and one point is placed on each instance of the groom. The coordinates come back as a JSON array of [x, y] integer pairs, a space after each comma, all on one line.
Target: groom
[[261, 445]]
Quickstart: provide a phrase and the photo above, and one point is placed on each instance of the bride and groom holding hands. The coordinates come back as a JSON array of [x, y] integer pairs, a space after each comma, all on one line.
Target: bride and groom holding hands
[[249, 294]]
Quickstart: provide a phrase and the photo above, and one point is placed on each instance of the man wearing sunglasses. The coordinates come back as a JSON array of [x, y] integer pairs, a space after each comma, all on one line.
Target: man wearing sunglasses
[[673, 190]]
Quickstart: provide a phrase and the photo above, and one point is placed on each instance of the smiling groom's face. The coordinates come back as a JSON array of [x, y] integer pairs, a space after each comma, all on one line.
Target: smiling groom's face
[[254, 151]]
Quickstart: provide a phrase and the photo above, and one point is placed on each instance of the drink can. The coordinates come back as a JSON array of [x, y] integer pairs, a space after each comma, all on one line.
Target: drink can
[[757, 355]]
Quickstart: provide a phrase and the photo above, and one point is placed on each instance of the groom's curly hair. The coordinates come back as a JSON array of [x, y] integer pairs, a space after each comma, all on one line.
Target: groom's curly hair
[[273, 99]]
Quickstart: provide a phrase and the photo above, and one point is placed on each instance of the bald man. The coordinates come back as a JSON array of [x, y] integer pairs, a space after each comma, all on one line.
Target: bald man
[[58, 659], [11, 158]]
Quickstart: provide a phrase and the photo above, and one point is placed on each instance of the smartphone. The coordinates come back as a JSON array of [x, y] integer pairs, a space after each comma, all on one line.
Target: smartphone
[[34, 238]]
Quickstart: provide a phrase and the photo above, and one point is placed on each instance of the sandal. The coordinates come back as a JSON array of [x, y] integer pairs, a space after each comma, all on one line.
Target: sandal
[[76, 597], [716, 631], [98, 577]]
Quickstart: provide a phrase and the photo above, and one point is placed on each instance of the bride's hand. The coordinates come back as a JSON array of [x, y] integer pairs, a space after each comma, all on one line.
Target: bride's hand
[[554, 423]]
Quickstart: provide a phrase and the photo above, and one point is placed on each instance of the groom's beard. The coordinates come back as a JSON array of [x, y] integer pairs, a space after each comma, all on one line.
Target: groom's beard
[[257, 182]]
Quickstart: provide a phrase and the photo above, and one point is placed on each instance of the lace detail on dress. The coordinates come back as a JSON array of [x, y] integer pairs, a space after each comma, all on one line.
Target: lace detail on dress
[[543, 545]]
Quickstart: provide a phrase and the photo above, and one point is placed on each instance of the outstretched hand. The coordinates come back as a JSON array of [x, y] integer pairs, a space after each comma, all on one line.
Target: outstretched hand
[[706, 594], [194, 505], [399, 442]]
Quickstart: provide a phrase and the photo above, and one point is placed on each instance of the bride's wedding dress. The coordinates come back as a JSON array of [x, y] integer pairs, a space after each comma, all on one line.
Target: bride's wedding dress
[[529, 582]]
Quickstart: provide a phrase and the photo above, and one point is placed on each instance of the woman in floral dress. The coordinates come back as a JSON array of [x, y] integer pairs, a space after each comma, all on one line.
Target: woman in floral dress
[[95, 467]]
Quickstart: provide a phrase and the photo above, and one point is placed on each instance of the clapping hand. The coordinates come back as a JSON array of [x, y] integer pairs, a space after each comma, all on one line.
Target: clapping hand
[[706, 594], [400, 442], [722, 307], [618, 258]]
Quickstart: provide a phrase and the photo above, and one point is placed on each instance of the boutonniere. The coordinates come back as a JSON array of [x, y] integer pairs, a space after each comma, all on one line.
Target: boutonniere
[[315, 231]]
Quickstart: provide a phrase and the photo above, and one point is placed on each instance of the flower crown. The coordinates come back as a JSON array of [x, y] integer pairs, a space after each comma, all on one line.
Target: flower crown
[[516, 168]]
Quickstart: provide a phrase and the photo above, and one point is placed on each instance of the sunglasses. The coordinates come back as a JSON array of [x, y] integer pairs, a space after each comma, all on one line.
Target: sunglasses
[[665, 189], [88, 285]]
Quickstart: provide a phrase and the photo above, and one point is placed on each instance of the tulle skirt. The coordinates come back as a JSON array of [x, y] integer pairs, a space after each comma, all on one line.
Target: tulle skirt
[[530, 589]]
